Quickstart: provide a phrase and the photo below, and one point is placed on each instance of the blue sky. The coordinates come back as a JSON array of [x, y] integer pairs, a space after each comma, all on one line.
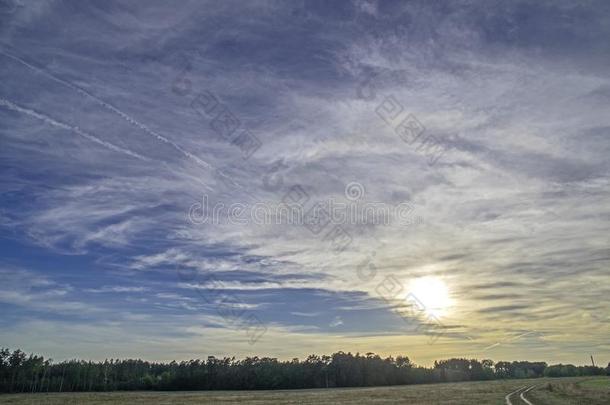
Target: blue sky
[[111, 133]]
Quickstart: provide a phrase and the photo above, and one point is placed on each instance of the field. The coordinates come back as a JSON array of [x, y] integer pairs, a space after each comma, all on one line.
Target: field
[[590, 391], [586, 390]]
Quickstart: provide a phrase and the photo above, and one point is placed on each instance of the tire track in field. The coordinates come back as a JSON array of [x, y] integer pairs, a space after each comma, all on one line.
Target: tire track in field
[[507, 397], [523, 393]]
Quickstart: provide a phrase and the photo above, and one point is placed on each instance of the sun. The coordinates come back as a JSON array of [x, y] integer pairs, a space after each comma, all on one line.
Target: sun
[[433, 295]]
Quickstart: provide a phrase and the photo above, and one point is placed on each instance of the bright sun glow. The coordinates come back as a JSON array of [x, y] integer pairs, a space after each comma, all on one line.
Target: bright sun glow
[[433, 293]]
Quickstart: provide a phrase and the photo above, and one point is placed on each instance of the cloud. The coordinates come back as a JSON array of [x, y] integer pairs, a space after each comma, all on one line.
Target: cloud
[[103, 156], [115, 289], [336, 322]]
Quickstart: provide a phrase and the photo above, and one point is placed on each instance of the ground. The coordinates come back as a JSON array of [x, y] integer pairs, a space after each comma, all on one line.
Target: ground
[[591, 391], [586, 390]]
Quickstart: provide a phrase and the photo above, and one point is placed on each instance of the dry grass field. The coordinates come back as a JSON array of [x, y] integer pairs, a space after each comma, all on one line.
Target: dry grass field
[[591, 390]]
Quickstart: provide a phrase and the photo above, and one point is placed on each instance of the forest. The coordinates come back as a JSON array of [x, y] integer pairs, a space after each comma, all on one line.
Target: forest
[[21, 372]]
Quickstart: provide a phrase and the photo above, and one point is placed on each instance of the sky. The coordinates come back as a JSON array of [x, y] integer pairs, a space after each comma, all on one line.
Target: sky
[[269, 178]]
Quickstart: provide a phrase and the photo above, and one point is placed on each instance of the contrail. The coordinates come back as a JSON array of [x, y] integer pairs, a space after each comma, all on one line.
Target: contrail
[[509, 340], [115, 110], [14, 107]]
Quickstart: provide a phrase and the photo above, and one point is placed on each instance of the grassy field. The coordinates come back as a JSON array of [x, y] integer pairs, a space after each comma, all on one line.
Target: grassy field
[[549, 391], [590, 391]]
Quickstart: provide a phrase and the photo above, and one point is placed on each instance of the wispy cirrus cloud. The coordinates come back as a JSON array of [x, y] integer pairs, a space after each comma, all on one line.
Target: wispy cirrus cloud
[[102, 159]]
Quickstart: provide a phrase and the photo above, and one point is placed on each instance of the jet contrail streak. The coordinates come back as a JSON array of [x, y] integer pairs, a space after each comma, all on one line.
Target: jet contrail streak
[[112, 108], [43, 117]]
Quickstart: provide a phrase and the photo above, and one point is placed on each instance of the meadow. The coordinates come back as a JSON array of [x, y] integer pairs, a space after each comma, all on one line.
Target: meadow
[[562, 391]]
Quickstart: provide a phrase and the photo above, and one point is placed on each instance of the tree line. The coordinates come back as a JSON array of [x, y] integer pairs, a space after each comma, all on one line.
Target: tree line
[[20, 372]]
